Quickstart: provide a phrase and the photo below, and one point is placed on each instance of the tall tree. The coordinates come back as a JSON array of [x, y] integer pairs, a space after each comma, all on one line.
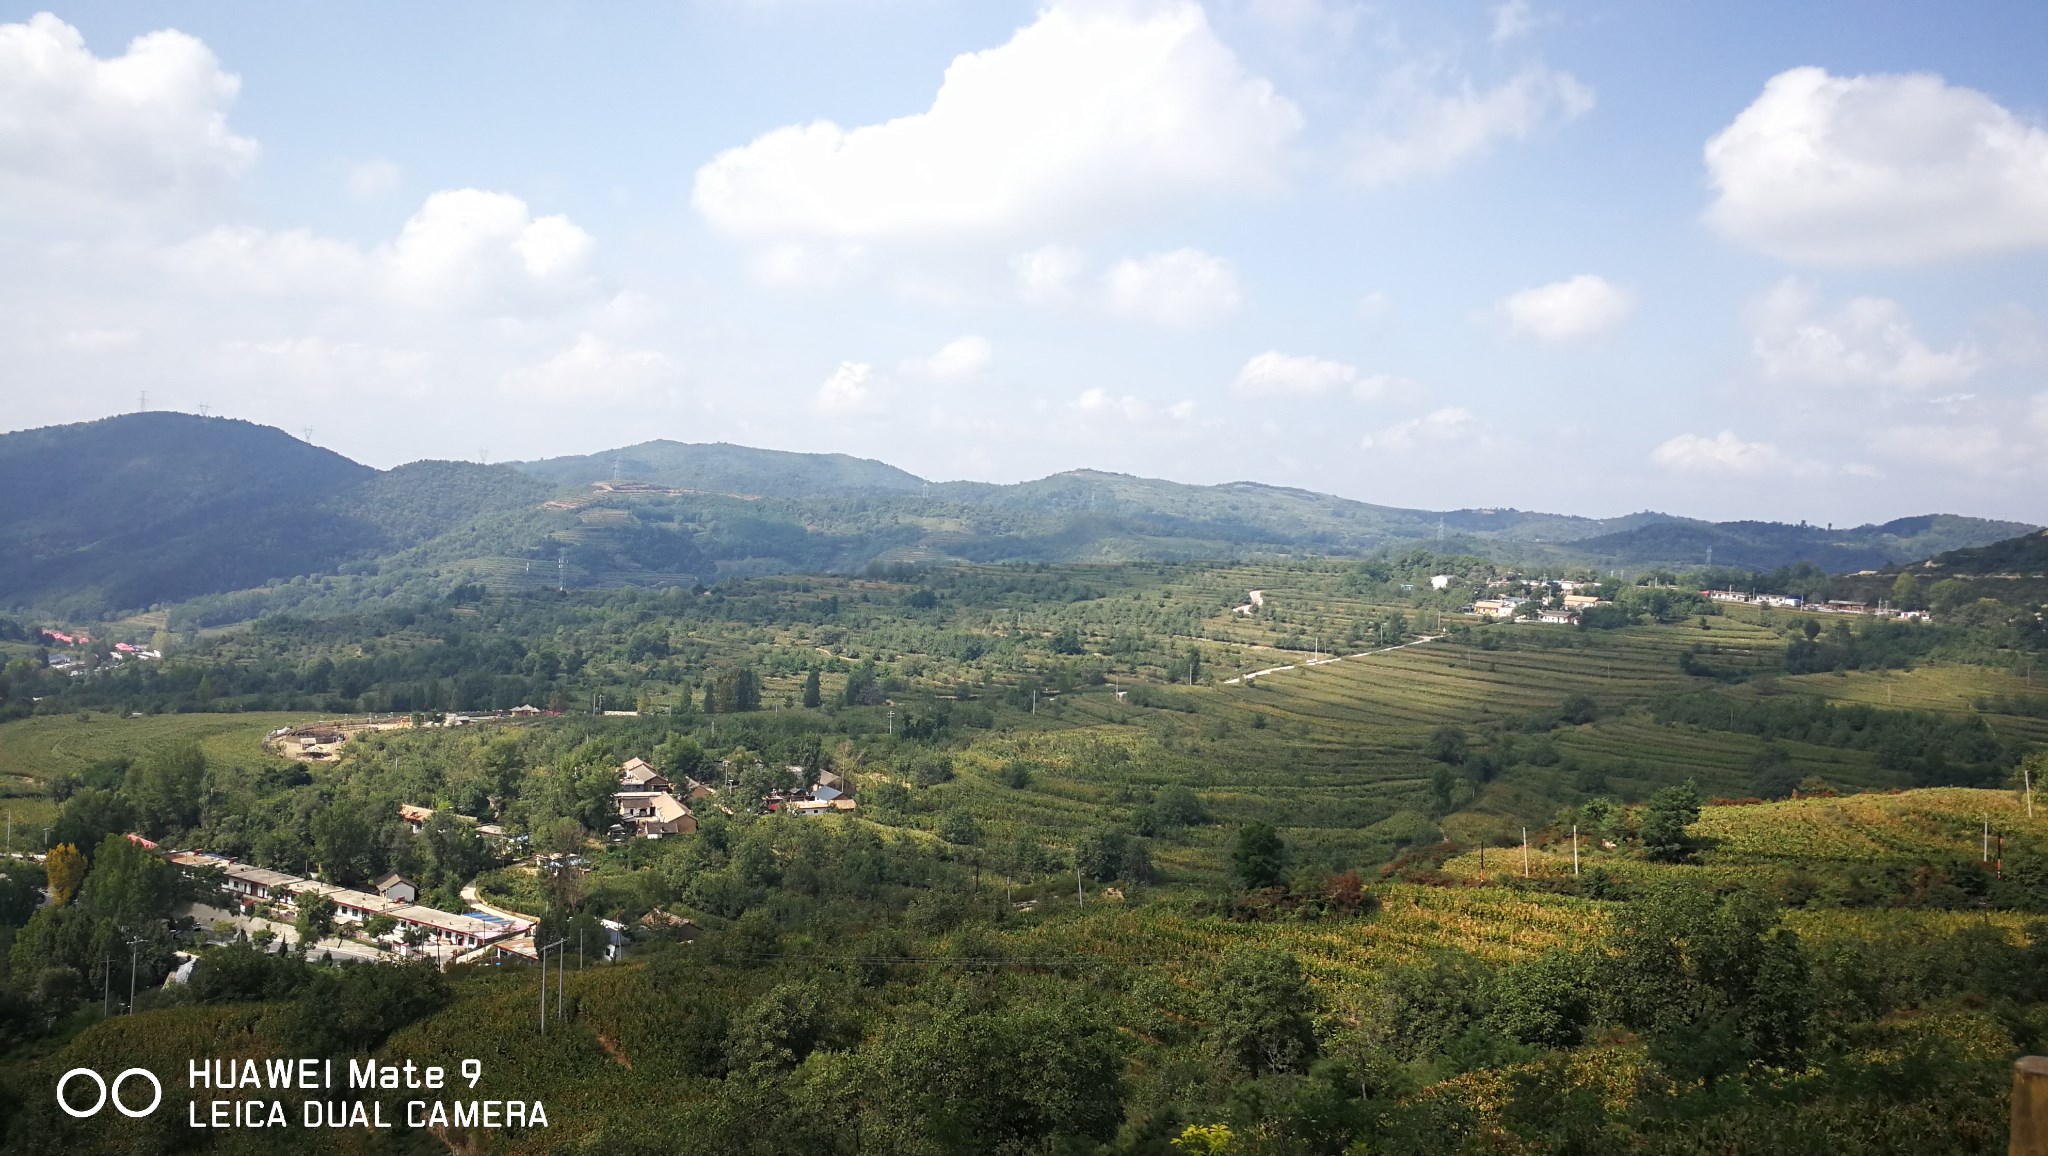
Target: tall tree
[[65, 866], [1260, 856]]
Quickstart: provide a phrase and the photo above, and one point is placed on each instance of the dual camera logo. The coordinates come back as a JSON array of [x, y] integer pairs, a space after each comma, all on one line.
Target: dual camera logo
[[109, 1092]]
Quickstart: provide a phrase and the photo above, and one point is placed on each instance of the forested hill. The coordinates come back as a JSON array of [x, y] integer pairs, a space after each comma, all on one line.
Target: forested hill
[[148, 508], [1769, 545], [2025, 555], [151, 509], [723, 468]]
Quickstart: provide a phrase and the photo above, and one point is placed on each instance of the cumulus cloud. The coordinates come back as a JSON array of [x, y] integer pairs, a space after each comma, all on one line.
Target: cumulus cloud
[[960, 358], [1575, 309], [1091, 110], [463, 248], [1047, 274], [1868, 341], [1422, 126], [850, 389], [593, 369], [1439, 429], [1179, 289], [1723, 454], [1878, 169], [82, 136], [1276, 374], [1512, 21]]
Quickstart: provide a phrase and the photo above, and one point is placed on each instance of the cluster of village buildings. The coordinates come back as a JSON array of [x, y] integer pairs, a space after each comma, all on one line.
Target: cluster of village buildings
[[1831, 606], [1508, 607], [650, 806], [78, 667], [394, 896]]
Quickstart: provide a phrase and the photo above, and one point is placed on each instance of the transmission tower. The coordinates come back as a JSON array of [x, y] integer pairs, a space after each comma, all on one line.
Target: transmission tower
[[142, 402]]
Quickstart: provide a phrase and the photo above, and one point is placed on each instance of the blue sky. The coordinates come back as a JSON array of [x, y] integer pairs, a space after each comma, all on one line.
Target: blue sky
[[1728, 260]]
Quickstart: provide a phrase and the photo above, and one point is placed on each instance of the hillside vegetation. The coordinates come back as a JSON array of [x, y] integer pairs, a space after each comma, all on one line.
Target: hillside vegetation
[[1139, 866], [223, 521]]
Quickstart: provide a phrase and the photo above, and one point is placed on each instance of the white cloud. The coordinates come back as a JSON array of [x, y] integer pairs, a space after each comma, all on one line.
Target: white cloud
[[1179, 289], [1512, 21], [467, 244], [463, 248], [372, 180], [1423, 127], [1878, 169], [1581, 307], [1276, 374], [1047, 274], [81, 136], [962, 357], [1868, 341], [593, 369], [850, 389], [1101, 403], [1722, 454], [1091, 110], [1438, 429], [1374, 305]]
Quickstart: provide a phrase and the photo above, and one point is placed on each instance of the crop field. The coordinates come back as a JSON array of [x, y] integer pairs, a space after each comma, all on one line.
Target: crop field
[[1940, 822], [42, 747], [1950, 689]]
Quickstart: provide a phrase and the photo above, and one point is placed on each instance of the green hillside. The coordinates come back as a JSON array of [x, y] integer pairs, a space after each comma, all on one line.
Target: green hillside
[[722, 468], [1769, 545], [153, 508], [225, 521], [2025, 556]]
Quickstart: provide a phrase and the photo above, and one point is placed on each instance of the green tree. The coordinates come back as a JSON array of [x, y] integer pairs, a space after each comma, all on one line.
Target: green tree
[[315, 920], [958, 826], [89, 816], [813, 696], [1907, 593], [1259, 859], [1771, 773], [1258, 1007], [1447, 744], [1101, 853], [1178, 806], [1670, 812], [1712, 982], [457, 852]]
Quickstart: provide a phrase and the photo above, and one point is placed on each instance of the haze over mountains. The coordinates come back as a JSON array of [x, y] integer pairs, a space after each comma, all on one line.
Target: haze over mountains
[[152, 509]]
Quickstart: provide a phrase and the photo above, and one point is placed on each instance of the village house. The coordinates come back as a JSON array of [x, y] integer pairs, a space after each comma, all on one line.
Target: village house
[[414, 817], [1565, 617], [645, 803], [638, 775], [392, 885]]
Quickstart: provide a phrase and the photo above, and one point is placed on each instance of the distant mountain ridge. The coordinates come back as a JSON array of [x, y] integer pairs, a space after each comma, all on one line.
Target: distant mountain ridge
[[160, 508], [721, 467]]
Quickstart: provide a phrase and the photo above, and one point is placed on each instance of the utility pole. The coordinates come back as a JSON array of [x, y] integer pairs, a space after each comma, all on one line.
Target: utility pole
[[133, 946], [1987, 837], [1575, 849], [2027, 777], [1078, 898], [543, 952], [1525, 852]]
